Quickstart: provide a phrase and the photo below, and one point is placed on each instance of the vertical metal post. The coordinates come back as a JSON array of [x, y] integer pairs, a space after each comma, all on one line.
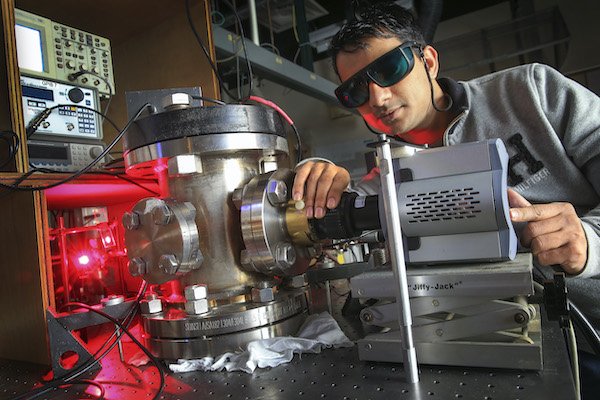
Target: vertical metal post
[[253, 23], [394, 233]]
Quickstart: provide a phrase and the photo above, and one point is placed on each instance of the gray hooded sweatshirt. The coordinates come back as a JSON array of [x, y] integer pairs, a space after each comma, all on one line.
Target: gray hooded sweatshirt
[[550, 125]]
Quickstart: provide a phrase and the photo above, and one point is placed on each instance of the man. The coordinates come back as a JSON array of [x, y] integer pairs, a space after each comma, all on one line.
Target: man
[[549, 123]]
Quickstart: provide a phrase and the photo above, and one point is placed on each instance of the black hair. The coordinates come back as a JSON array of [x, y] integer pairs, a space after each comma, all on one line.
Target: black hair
[[378, 21]]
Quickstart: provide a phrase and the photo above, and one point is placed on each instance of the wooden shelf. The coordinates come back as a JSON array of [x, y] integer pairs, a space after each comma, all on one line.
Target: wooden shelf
[[153, 47]]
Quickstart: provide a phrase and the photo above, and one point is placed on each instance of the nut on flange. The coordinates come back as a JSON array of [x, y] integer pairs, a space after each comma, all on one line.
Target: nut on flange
[[277, 191], [168, 264], [263, 295], [151, 304], [196, 307], [131, 220], [196, 292], [137, 266]]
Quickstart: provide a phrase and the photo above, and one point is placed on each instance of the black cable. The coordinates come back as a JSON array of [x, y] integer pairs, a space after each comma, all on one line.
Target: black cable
[[396, 138], [450, 102], [585, 327], [102, 351], [76, 75], [12, 142], [242, 35], [205, 50], [84, 169], [35, 123], [346, 241], [154, 360], [126, 179], [100, 354], [116, 175], [89, 382], [210, 100], [298, 144], [86, 382]]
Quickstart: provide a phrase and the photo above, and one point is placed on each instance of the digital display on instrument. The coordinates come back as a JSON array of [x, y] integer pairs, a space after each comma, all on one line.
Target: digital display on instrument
[[30, 54], [48, 152], [37, 93]]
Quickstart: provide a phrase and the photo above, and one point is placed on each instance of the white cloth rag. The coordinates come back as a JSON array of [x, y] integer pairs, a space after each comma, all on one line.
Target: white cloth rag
[[317, 332]]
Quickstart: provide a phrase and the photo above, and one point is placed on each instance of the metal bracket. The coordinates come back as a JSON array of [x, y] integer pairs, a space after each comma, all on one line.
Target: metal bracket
[[61, 338]]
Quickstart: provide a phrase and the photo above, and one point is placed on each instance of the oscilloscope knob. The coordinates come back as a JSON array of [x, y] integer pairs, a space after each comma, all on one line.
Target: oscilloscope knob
[[70, 64], [75, 95], [96, 151]]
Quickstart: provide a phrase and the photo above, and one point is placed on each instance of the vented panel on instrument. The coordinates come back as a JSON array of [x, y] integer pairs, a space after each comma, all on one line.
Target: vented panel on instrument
[[443, 205]]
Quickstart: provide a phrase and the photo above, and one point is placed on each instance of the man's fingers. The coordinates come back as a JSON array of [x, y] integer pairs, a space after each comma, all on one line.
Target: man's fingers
[[300, 180], [543, 243], [323, 185], [337, 188], [311, 188], [540, 228], [569, 257], [516, 200], [320, 185], [536, 212]]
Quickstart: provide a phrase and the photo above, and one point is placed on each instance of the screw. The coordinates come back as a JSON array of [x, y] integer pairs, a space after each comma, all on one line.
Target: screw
[[198, 257], [196, 292], [184, 165], [520, 318], [367, 316], [439, 332], [262, 295], [161, 214], [176, 100], [137, 266], [285, 253], [168, 264], [277, 192], [151, 306], [435, 303], [131, 220]]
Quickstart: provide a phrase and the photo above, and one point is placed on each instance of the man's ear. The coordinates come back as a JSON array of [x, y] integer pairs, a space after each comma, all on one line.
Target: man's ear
[[429, 56]]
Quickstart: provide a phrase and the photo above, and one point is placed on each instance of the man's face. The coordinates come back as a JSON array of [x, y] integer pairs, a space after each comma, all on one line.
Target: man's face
[[396, 109]]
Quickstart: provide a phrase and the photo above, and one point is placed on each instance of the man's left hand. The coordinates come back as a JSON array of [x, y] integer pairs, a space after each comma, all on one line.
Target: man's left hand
[[553, 232]]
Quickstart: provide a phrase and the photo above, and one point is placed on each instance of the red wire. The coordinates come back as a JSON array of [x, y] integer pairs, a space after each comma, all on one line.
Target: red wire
[[273, 106]]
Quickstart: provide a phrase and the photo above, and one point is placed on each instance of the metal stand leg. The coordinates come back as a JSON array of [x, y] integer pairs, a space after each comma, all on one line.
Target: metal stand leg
[[328, 293], [392, 214]]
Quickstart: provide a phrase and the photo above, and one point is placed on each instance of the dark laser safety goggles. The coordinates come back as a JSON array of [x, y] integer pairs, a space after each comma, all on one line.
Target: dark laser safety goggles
[[385, 71]]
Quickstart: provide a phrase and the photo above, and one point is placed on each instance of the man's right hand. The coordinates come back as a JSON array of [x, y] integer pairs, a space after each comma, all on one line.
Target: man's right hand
[[320, 184]]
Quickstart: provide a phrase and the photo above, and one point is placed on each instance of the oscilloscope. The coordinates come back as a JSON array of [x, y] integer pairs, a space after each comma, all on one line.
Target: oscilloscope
[[50, 50]]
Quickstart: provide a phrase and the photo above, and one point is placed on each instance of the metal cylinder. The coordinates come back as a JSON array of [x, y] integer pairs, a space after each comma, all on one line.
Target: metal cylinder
[[208, 157], [209, 152]]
